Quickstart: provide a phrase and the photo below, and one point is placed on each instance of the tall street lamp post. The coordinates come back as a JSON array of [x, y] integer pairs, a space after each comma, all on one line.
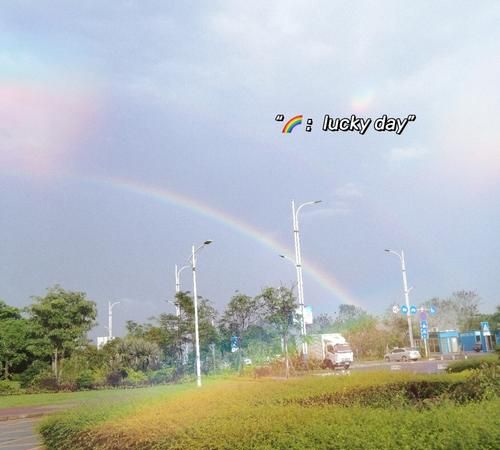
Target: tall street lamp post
[[110, 318], [195, 295], [178, 285], [298, 265], [406, 291]]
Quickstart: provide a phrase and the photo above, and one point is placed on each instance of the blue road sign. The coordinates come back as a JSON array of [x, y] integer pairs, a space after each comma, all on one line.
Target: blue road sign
[[413, 309], [423, 315], [234, 343], [423, 329], [432, 310], [404, 309]]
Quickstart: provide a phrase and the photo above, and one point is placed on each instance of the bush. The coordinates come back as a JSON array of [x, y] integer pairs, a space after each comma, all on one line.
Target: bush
[[85, 380], [471, 363], [135, 378], [115, 377], [8, 387], [32, 372], [45, 381], [162, 376], [483, 384]]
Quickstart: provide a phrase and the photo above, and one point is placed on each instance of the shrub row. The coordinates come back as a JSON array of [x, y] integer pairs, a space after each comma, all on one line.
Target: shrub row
[[472, 363]]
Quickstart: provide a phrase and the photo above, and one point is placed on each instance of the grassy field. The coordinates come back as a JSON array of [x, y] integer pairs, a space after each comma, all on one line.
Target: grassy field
[[85, 397], [361, 411]]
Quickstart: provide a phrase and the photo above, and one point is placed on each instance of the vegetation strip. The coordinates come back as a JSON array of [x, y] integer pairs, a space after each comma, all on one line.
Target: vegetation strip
[[241, 414]]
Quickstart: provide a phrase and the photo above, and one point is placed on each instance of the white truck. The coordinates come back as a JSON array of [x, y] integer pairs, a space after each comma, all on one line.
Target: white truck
[[333, 349]]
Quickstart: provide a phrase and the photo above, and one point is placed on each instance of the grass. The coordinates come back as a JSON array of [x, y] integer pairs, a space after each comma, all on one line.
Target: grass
[[293, 414], [84, 397]]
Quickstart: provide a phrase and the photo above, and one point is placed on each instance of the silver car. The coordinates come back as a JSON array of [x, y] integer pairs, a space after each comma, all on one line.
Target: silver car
[[402, 354]]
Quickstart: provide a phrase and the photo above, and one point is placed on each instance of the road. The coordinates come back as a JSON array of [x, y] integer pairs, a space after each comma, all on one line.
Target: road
[[19, 434], [422, 366]]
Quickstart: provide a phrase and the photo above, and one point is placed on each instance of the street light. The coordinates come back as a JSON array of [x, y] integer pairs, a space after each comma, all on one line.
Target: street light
[[195, 295], [178, 285], [110, 318], [406, 291], [298, 265]]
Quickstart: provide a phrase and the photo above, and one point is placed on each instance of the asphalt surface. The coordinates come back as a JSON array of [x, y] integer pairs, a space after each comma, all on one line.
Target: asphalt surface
[[20, 434], [422, 366]]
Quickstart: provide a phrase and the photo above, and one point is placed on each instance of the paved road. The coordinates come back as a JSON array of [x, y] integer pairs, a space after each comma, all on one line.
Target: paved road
[[423, 366], [19, 434]]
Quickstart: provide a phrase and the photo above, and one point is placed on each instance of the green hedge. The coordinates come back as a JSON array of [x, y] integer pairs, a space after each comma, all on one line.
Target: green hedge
[[472, 363]]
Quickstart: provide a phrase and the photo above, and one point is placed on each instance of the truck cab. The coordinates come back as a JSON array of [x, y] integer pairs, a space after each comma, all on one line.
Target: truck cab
[[333, 349], [338, 356]]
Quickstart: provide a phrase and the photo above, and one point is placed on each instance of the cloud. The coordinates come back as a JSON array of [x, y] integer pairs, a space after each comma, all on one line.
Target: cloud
[[348, 190], [40, 126], [399, 154]]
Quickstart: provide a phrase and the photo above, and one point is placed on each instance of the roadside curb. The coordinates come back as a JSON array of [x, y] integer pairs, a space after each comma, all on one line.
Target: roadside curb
[[28, 413], [23, 416]]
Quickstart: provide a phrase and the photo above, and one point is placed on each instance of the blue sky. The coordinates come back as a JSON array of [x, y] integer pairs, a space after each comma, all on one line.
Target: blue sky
[[182, 98]]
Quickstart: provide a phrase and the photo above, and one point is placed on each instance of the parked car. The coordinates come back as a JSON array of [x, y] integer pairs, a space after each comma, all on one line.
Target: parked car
[[402, 354], [478, 347]]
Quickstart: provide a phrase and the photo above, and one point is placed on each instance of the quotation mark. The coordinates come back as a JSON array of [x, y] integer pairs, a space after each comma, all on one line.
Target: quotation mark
[[279, 118]]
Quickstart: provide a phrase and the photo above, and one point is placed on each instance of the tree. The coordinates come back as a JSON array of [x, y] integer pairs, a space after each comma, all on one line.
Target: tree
[[62, 318], [280, 307], [323, 323], [8, 312], [349, 316], [242, 312], [177, 331], [494, 319], [467, 305], [14, 342], [139, 354], [457, 312]]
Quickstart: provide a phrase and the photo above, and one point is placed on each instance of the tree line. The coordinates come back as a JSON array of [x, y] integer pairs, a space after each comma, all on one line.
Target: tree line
[[45, 345]]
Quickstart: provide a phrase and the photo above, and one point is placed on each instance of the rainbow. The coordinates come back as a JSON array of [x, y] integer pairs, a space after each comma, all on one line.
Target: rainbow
[[171, 197], [292, 123]]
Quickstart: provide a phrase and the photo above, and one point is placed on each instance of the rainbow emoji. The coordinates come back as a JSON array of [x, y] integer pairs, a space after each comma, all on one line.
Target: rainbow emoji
[[292, 123]]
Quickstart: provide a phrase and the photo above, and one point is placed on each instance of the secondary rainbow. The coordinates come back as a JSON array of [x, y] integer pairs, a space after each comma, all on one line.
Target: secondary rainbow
[[292, 123], [262, 237]]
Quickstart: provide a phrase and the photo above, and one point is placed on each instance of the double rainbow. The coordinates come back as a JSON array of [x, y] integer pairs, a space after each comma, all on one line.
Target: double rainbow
[[292, 123]]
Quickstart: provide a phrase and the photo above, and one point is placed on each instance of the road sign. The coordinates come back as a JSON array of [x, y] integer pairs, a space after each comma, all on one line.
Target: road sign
[[423, 329], [395, 309], [423, 315], [485, 328], [413, 309], [404, 309], [235, 344], [432, 310]]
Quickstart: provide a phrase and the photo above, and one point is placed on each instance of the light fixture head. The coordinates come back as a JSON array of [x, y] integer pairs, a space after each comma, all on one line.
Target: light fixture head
[[207, 242]]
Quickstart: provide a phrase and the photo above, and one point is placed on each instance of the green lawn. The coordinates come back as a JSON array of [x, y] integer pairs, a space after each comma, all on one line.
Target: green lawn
[[83, 397]]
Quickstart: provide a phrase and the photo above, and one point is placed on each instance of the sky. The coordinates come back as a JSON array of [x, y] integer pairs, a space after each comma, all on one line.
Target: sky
[[131, 130]]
